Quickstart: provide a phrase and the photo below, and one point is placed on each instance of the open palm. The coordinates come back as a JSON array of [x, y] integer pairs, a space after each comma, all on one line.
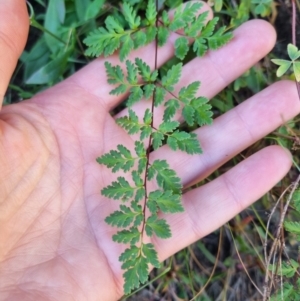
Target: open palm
[[54, 243]]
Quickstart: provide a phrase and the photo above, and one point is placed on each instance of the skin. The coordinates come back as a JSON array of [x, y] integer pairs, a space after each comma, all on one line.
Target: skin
[[54, 243]]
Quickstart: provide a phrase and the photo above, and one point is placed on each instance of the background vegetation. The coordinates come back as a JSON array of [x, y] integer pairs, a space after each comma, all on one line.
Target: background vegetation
[[229, 264]]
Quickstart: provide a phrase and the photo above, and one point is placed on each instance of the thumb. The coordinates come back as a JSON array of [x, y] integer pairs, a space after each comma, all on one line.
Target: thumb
[[14, 25]]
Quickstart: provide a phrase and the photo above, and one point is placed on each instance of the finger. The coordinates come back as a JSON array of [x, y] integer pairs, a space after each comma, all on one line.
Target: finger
[[93, 77], [212, 205], [14, 24], [251, 42], [234, 131]]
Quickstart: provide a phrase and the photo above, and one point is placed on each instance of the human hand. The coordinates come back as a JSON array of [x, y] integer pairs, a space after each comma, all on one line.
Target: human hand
[[54, 243]]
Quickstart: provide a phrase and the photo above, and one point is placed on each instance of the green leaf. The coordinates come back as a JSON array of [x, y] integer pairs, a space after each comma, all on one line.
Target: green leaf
[[162, 35], [131, 236], [93, 9], [151, 12], [131, 253], [121, 218], [113, 25], [117, 160], [157, 140], [168, 126], [148, 90], [129, 123], [172, 106], [136, 177], [136, 94], [189, 92], [143, 69], [219, 39], [130, 15], [150, 255], [131, 73], [188, 114], [187, 142], [202, 114], [139, 39], [284, 66], [172, 77], [127, 47], [199, 47], [146, 131], [184, 14], [147, 117], [136, 275], [181, 47], [140, 194], [156, 165], [296, 68], [165, 201], [119, 190], [114, 74], [293, 52], [293, 227], [140, 149], [168, 180], [159, 227], [150, 34], [194, 29], [159, 96]]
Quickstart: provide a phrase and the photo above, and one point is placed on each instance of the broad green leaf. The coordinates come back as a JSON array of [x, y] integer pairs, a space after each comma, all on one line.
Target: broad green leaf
[[54, 20], [172, 77], [293, 52], [165, 201], [150, 255], [117, 160], [159, 227], [131, 236], [50, 72], [93, 9], [296, 68], [218, 5], [172, 106], [181, 47], [81, 8], [119, 189], [168, 180]]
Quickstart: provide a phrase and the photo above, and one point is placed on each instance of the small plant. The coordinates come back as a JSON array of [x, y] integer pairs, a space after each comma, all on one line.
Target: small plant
[[152, 186]]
